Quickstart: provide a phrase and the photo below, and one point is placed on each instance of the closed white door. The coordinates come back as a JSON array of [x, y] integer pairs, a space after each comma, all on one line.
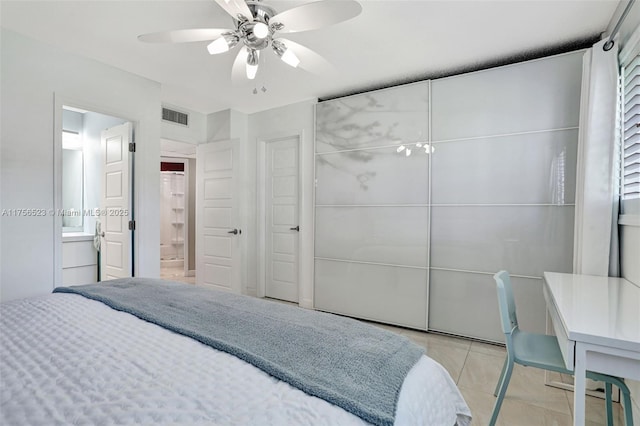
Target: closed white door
[[282, 226], [115, 247], [217, 224]]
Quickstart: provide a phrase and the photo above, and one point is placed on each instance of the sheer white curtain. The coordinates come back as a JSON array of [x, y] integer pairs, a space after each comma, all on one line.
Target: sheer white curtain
[[596, 229]]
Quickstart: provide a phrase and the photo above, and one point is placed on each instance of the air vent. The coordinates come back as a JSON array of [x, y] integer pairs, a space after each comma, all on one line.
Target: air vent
[[175, 116]]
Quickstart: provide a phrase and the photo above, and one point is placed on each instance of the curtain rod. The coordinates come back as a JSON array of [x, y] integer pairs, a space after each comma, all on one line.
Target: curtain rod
[[609, 44]]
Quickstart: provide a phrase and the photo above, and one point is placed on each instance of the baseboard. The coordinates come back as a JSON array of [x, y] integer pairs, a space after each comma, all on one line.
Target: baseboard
[[190, 273], [251, 292], [306, 303]]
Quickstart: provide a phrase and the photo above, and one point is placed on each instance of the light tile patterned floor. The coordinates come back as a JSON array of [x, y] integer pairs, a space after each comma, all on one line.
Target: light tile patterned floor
[[475, 367], [175, 273]]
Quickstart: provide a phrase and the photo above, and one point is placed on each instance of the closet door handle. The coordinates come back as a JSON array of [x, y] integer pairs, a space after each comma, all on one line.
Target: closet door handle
[[297, 228], [235, 232]]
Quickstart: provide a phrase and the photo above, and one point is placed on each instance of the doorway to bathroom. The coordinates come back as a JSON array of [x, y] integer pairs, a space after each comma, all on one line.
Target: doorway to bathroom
[[177, 211], [93, 196]]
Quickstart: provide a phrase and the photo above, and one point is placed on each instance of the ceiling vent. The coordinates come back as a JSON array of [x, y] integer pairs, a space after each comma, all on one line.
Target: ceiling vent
[[176, 117]]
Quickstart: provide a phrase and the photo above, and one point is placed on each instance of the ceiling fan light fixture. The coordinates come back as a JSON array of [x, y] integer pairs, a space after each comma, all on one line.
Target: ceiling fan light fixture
[[290, 58], [260, 30], [223, 43], [257, 25], [286, 54], [252, 70], [252, 63]]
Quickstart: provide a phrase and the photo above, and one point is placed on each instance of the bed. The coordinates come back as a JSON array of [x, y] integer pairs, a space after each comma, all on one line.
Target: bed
[[67, 358]]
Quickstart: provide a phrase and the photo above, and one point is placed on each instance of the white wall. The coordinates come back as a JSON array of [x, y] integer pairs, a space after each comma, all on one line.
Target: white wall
[[194, 133], [280, 122], [31, 73], [219, 126], [72, 121]]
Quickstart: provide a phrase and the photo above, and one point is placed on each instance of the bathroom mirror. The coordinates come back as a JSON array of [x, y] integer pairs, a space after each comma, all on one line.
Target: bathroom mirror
[[72, 183]]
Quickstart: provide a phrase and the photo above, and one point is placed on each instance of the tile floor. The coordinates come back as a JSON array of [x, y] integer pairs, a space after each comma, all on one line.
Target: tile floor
[[175, 273], [476, 367]]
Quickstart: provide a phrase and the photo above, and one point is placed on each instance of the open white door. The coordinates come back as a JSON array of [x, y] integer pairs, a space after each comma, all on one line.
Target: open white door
[[217, 221], [281, 211], [115, 247]]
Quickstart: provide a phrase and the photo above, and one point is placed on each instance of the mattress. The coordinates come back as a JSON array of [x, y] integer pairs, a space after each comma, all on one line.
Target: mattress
[[70, 360]]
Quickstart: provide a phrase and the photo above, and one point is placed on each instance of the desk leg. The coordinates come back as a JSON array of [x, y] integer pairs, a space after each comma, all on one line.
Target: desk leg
[[580, 375]]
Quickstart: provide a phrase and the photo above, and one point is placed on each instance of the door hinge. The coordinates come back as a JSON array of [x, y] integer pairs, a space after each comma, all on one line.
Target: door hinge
[[132, 225], [132, 147]]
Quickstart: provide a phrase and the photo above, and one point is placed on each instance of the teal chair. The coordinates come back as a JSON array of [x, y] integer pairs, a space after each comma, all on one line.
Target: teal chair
[[540, 351]]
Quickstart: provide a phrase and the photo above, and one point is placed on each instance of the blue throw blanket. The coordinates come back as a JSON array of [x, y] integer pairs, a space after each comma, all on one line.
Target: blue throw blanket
[[350, 364]]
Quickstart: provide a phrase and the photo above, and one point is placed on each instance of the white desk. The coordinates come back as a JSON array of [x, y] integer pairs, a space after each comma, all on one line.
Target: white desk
[[597, 322]]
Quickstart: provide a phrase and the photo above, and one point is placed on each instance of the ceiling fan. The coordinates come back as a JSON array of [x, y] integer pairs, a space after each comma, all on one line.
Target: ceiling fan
[[257, 27]]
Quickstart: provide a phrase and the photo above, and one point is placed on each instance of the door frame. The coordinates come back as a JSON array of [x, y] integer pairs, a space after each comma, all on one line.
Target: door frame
[[185, 248], [261, 191], [60, 101]]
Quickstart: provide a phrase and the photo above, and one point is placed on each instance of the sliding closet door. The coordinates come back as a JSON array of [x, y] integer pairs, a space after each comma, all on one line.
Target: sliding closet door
[[503, 190], [372, 205]]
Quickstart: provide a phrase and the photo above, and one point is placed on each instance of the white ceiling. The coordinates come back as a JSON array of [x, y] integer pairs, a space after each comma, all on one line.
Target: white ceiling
[[391, 41]]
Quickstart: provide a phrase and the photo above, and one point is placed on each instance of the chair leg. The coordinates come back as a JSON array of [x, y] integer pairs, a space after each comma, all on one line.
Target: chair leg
[[628, 415], [504, 382], [609, 403], [504, 368], [609, 380]]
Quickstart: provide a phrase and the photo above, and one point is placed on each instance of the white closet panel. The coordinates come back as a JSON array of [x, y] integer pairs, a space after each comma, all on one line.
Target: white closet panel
[[496, 192], [390, 116], [537, 95], [534, 168], [375, 292], [525, 240], [372, 176], [467, 304], [390, 235]]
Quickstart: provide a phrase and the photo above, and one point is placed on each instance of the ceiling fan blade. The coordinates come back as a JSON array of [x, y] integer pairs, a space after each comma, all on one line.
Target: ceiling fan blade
[[183, 36], [309, 60], [235, 8], [312, 16], [239, 68]]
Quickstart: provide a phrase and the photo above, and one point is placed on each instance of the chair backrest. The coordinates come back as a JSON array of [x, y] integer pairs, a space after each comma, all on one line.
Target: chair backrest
[[506, 302]]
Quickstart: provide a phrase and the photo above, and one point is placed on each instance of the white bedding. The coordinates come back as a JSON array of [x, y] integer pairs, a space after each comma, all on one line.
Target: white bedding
[[65, 359]]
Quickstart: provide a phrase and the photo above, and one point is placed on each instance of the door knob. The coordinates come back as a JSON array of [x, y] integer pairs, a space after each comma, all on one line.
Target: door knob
[[297, 228], [235, 232]]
